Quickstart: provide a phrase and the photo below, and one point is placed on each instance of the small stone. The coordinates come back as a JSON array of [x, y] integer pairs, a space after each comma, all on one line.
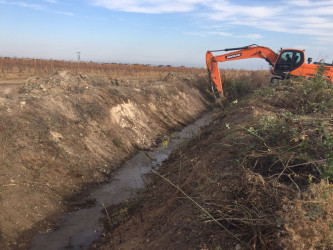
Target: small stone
[[238, 247], [56, 136], [23, 103]]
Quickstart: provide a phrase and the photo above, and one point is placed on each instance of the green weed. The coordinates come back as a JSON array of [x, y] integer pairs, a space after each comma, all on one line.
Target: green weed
[[291, 149], [236, 88], [117, 142], [308, 96]]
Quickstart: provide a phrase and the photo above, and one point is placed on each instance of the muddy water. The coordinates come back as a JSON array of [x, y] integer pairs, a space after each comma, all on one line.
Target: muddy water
[[77, 230]]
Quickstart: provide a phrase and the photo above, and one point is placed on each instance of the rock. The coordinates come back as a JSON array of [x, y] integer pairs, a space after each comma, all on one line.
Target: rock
[[56, 136], [23, 103]]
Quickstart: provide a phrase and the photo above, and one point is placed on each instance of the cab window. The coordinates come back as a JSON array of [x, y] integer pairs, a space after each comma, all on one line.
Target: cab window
[[286, 57], [297, 59], [289, 60]]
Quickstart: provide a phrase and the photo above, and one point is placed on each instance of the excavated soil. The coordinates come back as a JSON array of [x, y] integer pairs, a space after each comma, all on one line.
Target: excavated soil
[[66, 133]]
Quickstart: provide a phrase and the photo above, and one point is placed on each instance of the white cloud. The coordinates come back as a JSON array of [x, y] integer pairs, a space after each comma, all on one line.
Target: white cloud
[[306, 47], [322, 11], [196, 34], [307, 3], [221, 33], [149, 6], [305, 17], [64, 13], [228, 34], [37, 7], [26, 5], [251, 36], [227, 10]]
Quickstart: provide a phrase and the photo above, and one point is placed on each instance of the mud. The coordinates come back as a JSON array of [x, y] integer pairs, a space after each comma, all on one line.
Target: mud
[[78, 229]]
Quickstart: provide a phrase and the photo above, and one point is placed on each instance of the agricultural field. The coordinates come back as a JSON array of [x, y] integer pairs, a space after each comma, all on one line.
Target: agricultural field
[[22, 68], [256, 176]]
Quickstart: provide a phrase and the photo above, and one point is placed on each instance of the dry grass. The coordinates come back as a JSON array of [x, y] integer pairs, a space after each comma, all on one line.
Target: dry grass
[[21, 68], [309, 221], [263, 199], [238, 83]]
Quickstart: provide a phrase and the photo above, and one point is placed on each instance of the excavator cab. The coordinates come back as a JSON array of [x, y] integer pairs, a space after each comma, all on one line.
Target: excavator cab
[[288, 61]]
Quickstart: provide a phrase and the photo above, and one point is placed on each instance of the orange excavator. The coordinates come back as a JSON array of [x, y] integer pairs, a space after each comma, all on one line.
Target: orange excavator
[[285, 64]]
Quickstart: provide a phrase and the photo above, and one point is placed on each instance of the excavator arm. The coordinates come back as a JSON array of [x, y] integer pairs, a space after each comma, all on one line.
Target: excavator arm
[[251, 51]]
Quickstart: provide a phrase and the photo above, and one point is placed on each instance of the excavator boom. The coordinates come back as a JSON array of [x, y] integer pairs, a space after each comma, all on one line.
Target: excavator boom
[[251, 51]]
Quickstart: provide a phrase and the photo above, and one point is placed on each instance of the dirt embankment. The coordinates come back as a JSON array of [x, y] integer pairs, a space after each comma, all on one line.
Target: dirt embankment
[[63, 133]]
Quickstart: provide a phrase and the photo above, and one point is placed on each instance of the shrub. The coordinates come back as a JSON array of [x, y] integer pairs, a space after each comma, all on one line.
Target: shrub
[[236, 88], [291, 149], [305, 96], [238, 83]]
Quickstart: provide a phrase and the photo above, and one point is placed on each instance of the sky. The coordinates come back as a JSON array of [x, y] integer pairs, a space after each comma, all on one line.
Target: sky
[[167, 32]]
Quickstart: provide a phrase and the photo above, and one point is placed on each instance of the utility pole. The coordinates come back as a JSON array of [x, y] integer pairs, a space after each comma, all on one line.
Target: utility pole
[[78, 61]]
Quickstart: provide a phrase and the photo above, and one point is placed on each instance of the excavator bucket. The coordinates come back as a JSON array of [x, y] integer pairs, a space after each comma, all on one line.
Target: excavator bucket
[[214, 74]]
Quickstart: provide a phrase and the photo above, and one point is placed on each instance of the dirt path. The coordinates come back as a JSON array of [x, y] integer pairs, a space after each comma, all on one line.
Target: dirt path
[[63, 134]]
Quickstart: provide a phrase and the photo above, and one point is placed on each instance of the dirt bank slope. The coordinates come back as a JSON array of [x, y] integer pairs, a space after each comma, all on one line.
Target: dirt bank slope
[[65, 132]]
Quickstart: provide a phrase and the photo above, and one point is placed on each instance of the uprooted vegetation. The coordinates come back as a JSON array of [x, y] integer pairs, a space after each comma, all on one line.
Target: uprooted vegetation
[[259, 177]]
